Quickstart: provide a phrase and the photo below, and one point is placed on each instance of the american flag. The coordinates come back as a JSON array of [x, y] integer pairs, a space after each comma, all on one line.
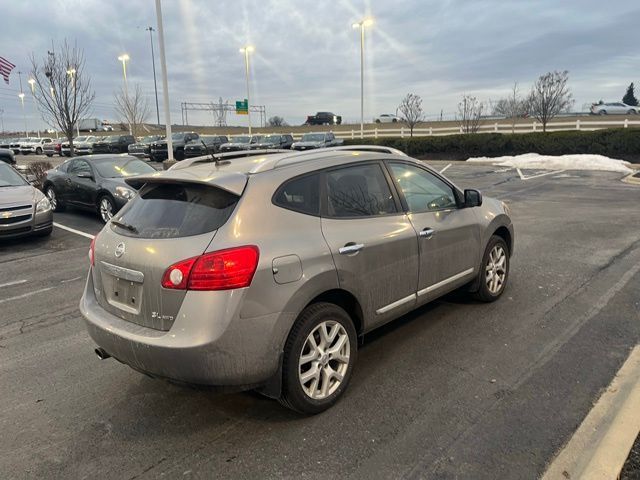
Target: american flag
[[5, 69]]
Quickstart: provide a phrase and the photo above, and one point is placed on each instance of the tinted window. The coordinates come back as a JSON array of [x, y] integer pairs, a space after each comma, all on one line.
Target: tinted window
[[301, 194], [422, 190], [122, 167], [358, 191], [176, 210]]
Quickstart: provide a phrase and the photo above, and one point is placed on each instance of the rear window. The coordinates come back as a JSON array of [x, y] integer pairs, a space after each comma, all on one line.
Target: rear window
[[175, 210]]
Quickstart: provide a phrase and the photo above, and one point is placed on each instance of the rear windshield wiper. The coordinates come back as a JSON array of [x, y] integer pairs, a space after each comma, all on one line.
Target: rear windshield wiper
[[124, 225]]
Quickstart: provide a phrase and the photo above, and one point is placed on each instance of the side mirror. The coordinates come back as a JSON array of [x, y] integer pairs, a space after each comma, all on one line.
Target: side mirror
[[472, 198], [88, 175]]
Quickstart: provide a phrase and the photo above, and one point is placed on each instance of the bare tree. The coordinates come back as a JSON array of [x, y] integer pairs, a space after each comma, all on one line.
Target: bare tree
[[549, 96], [62, 88], [411, 110], [470, 111], [276, 121], [512, 107], [133, 108]]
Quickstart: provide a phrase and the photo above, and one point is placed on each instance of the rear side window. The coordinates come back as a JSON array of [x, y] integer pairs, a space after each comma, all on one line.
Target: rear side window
[[359, 191], [301, 194], [175, 210]]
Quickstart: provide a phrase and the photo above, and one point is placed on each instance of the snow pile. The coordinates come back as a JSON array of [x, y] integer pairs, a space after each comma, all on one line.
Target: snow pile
[[561, 162]]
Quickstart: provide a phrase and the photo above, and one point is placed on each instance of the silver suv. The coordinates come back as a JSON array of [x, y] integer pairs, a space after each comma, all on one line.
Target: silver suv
[[262, 272]]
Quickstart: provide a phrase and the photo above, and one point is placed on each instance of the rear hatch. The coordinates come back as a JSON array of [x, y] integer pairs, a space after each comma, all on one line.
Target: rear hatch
[[165, 223]]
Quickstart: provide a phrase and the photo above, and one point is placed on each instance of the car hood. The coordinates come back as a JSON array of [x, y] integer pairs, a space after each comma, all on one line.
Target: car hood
[[21, 194], [308, 144]]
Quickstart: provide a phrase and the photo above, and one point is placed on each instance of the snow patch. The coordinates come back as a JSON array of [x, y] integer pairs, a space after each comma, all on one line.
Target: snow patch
[[561, 162]]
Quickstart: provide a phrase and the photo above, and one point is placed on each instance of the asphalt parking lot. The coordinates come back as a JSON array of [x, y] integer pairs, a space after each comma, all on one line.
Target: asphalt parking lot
[[456, 389]]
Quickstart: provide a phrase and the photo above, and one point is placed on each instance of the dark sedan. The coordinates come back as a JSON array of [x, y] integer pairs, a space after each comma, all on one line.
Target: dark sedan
[[94, 182], [142, 149], [205, 145], [114, 144]]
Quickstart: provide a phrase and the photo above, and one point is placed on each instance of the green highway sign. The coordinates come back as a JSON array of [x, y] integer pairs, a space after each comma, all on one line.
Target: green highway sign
[[242, 107]]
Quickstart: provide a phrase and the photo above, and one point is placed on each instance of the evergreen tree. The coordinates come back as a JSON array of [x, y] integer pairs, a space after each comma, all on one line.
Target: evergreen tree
[[629, 97]]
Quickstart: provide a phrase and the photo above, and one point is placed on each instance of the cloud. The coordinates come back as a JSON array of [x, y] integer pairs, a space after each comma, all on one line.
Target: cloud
[[307, 54]]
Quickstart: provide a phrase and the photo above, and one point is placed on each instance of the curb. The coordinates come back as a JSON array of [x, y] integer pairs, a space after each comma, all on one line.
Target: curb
[[600, 446]]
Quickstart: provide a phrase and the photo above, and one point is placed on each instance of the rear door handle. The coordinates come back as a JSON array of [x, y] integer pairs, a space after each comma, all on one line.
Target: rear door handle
[[350, 248], [427, 232]]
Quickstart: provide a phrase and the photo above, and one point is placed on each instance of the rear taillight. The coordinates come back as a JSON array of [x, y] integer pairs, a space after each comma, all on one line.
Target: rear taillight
[[221, 270], [92, 250]]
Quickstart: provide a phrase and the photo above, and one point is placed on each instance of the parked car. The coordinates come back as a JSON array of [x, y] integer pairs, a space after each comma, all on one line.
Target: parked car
[[95, 182], [86, 147], [142, 148], [34, 145], [6, 142], [6, 156], [158, 150], [15, 145], [310, 141], [236, 143], [113, 144], [386, 118], [25, 209], [54, 147], [65, 147], [279, 141], [323, 118], [616, 108], [212, 143], [262, 273]]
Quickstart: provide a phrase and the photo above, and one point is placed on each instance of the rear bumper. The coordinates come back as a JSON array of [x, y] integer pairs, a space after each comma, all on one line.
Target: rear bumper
[[204, 346]]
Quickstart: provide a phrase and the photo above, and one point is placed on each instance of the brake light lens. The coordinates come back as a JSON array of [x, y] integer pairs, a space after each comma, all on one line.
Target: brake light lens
[[92, 252], [221, 270]]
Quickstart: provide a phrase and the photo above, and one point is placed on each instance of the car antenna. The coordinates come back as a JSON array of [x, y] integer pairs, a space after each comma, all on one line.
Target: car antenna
[[210, 153]]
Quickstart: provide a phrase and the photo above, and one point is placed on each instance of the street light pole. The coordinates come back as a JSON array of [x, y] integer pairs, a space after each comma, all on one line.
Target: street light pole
[[21, 96], [123, 58], [360, 25], [72, 73], [247, 50], [165, 86], [153, 62]]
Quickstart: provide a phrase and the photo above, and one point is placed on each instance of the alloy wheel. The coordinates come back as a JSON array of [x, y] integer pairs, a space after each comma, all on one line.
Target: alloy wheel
[[106, 209], [495, 270], [324, 360], [51, 195]]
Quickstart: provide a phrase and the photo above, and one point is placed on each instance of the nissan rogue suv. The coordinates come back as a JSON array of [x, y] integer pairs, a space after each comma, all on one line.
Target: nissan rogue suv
[[262, 272]]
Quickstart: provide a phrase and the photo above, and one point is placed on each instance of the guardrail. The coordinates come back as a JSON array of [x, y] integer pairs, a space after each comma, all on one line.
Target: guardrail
[[495, 127]]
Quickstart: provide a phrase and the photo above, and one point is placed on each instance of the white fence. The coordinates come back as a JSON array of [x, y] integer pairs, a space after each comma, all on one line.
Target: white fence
[[533, 126]]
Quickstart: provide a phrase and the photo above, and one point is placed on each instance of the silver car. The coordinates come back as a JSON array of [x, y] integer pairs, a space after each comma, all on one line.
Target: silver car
[[24, 210], [262, 272], [614, 108]]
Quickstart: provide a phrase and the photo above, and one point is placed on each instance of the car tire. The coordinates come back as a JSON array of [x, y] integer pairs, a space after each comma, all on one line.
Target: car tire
[[494, 270], [106, 208], [631, 112], [52, 195], [602, 112], [395, 120], [49, 155], [38, 151], [377, 120], [318, 324]]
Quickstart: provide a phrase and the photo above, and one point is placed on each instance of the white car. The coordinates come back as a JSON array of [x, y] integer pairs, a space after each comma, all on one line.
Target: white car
[[614, 108], [34, 145], [386, 118]]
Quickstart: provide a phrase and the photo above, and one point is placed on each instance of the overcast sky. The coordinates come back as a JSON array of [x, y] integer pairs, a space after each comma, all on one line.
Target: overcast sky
[[307, 54]]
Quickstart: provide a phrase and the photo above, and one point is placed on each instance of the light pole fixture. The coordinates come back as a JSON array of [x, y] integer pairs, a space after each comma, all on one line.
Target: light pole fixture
[[246, 51], [32, 82], [24, 116], [72, 73], [365, 22], [124, 58]]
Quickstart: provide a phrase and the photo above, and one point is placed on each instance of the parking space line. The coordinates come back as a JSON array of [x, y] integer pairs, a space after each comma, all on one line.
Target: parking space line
[[25, 295], [522, 177], [73, 230], [443, 170], [8, 284]]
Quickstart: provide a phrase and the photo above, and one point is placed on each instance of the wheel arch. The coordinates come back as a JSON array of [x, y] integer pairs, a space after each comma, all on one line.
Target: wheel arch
[[504, 233], [345, 300]]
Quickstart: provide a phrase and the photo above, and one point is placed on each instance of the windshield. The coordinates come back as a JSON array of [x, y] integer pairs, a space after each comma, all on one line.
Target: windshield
[[149, 139], [80, 139], [112, 139], [271, 139], [256, 138], [122, 167], [177, 136], [9, 177], [239, 139], [313, 137]]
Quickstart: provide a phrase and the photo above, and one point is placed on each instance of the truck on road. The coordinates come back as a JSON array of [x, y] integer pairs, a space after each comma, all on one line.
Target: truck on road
[[323, 118]]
